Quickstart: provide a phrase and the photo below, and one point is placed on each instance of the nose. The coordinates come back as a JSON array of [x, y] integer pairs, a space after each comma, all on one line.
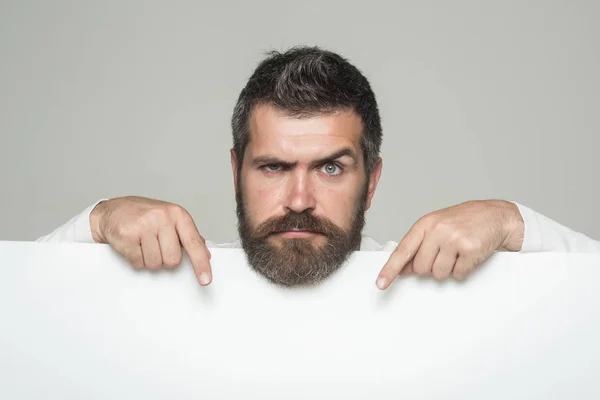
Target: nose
[[300, 193]]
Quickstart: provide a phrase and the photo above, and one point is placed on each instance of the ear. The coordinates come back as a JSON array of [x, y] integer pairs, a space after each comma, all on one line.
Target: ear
[[373, 181], [234, 168]]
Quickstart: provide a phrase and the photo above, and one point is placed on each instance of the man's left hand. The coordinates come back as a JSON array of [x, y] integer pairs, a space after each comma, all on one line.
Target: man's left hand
[[455, 240]]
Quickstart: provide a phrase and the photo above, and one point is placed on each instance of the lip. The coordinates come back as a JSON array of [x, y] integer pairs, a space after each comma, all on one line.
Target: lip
[[297, 233]]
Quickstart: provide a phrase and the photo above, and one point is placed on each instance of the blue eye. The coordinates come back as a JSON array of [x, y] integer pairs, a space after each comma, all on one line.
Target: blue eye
[[272, 167], [331, 169]]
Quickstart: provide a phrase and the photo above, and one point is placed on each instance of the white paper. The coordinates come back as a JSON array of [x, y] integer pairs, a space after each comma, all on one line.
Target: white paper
[[79, 323]]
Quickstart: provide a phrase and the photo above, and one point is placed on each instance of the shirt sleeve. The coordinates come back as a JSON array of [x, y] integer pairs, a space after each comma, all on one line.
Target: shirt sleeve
[[77, 229], [542, 234]]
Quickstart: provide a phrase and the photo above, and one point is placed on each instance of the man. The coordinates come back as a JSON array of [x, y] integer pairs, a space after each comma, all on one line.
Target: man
[[305, 161]]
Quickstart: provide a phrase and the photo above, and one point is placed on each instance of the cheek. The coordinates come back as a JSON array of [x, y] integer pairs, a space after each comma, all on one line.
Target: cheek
[[338, 206], [262, 201]]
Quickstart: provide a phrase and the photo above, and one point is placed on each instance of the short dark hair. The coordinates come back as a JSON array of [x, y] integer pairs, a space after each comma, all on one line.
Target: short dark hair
[[304, 81]]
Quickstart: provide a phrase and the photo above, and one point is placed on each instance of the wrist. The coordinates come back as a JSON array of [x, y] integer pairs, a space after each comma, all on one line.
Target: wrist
[[513, 227], [96, 221]]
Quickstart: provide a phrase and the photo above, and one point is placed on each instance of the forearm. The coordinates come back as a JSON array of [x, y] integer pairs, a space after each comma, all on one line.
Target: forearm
[[544, 234], [77, 229]]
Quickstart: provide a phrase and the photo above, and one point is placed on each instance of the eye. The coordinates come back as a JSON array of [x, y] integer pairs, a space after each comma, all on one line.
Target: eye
[[272, 167], [331, 169]]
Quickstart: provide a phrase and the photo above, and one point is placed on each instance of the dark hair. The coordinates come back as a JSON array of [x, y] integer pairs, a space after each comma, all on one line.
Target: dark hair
[[304, 81]]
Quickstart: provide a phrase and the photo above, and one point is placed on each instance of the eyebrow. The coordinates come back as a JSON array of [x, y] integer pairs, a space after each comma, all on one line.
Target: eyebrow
[[266, 160]]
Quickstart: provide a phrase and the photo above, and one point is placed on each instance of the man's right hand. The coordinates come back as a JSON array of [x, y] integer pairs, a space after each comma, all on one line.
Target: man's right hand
[[151, 233]]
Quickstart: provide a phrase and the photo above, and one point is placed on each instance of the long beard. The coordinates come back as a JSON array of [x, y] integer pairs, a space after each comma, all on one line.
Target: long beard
[[297, 261]]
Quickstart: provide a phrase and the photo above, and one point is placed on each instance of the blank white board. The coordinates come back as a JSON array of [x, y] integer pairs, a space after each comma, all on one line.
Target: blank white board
[[78, 323]]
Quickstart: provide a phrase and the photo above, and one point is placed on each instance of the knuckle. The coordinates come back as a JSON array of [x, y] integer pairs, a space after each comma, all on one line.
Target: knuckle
[[428, 220], [121, 231], [153, 265], [154, 217], [173, 260], [440, 274], [421, 269], [136, 262], [176, 211], [478, 260], [468, 245], [128, 233], [456, 236], [129, 253], [459, 276], [121, 248], [462, 272], [444, 227], [420, 266]]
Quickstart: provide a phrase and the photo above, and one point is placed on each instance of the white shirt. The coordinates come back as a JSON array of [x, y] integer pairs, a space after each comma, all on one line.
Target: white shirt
[[541, 235]]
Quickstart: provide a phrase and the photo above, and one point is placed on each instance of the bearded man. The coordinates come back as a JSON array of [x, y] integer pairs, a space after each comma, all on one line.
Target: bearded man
[[305, 160]]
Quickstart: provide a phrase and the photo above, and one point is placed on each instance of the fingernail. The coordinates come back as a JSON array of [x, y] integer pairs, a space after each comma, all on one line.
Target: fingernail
[[381, 282], [204, 278]]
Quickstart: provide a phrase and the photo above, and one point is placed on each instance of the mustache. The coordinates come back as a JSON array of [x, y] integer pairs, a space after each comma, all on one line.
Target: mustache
[[304, 221]]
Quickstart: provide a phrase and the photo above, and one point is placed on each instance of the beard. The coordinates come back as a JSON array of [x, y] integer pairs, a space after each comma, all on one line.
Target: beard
[[297, 261]]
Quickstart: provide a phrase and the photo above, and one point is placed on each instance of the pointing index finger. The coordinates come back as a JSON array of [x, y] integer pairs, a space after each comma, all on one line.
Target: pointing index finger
[[401, 256], [194, 245]]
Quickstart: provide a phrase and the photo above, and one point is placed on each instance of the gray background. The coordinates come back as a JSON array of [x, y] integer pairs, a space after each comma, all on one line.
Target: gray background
[[478, 99]]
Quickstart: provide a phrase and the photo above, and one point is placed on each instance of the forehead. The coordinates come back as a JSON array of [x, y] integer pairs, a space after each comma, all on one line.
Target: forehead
[[278, 133]]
